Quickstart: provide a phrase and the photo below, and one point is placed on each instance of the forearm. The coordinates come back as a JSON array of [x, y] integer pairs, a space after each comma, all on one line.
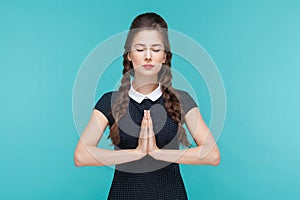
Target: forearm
[[94, 156], [188, 156]]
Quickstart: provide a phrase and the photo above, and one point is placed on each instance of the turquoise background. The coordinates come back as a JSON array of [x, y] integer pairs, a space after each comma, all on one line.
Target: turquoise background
[[255, 45]]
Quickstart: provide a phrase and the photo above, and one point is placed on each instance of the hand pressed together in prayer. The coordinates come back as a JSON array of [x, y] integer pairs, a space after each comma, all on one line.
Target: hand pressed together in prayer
[[147, 142]]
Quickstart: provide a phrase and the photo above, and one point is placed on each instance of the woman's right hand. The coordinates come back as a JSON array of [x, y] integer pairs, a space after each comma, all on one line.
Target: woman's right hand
[[143, 139]]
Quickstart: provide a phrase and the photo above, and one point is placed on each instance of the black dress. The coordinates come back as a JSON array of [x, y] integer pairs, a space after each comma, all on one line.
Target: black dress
[[146, 178]]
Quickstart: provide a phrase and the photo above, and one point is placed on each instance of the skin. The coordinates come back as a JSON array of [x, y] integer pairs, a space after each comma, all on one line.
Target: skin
[[147, 48], [145, 81]]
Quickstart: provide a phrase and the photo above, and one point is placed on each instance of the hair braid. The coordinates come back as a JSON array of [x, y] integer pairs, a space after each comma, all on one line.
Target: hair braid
[[119, 109], [170, 95], [172, 104]]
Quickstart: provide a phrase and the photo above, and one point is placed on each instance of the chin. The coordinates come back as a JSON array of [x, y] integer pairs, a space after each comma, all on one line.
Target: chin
[[146, 72]]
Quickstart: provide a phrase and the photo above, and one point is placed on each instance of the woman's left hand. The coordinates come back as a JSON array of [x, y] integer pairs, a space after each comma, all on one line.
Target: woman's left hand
[[152, 147]]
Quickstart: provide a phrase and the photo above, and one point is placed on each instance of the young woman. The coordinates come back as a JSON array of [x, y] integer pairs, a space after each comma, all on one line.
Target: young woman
[[146, 117]]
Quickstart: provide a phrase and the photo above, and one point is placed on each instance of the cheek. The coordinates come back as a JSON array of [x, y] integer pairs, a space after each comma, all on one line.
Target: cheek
[[160, 58], [136, 58]]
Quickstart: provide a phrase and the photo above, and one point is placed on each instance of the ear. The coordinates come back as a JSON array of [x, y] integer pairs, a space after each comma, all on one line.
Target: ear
[[129, 57]]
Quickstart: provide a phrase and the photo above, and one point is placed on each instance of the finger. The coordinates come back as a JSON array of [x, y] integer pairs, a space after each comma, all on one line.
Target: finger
[[145, 118], [145, 130], [151, 143], [144, 127], [150, 124], [147, 114], [144, 141]]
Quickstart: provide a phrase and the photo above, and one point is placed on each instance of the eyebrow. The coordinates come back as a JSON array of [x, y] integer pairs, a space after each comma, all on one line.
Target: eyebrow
[[153, 45]]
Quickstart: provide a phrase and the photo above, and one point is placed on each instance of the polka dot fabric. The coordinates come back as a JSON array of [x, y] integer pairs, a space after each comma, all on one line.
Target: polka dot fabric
[[146, 178]]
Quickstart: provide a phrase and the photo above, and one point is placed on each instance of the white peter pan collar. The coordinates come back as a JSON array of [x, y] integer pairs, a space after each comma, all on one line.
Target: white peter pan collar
[[139, 97]]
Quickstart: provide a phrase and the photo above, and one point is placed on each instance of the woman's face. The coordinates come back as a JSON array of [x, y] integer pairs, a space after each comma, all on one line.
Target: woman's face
[[147, 52]]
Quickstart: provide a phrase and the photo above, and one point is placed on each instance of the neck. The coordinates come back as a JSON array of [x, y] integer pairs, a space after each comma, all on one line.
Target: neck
[[145, 86]]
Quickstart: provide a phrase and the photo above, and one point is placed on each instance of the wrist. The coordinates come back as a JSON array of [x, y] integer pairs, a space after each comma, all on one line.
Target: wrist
[[155, 153], [139, 153]]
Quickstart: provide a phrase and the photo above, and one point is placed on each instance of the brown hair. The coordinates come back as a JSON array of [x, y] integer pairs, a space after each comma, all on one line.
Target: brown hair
[[174, 110]]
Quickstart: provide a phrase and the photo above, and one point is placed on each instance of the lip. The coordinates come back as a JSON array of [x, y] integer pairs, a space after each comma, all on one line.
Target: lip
[[148, 66]]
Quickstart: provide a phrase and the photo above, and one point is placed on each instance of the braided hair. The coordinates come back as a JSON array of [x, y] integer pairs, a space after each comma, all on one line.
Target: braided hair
[[172, 105]]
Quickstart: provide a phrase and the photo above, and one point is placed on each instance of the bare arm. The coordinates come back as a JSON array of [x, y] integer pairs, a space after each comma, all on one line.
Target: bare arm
[[206, 152], [88, 154]]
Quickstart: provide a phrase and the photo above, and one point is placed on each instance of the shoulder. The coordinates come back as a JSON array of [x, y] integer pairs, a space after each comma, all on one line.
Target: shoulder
[[186, 100], [108, 96], [183, 95], [104, 104], [106, 100], [181, 92], [109, 93]]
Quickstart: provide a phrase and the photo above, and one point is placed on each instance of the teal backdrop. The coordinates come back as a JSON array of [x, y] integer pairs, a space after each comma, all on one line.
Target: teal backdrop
[[255, 44]]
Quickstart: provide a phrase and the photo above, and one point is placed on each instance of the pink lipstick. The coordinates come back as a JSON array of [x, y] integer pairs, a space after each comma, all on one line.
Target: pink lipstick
[[148, 66]]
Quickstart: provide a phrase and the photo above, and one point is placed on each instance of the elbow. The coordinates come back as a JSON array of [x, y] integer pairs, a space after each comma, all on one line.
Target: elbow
[[78, 160], [84, 158], [210, 158], [215, 158]]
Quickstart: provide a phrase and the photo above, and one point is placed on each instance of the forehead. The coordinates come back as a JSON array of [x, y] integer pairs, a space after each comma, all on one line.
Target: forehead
[[147, 37]]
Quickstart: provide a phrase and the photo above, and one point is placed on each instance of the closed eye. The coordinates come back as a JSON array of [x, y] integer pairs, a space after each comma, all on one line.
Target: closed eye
[[156, 50]]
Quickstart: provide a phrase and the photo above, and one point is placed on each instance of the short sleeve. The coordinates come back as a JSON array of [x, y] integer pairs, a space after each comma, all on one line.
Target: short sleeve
[[186, 101], [104, 106]]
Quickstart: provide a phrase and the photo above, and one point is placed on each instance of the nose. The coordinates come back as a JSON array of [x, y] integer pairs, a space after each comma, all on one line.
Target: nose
[[148, 55]]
